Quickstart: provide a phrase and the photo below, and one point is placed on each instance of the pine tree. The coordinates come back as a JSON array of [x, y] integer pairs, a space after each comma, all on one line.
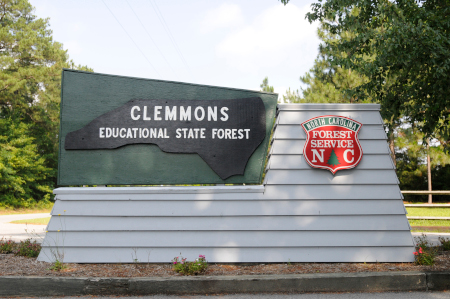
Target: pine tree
[[333, 160], [265, 85], [30, 85]]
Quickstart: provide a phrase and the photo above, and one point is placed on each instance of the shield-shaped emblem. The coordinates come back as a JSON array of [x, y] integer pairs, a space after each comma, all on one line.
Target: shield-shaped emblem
[[332, 142]]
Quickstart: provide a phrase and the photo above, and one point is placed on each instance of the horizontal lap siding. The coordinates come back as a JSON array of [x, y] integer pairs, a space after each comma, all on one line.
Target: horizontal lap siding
[[371, 132], [272, 192], [343, 177], [227, 208], [221, 223], [298, 162], [230, 239], [297, 117], [295, 147], [235, 255], [300, 215]]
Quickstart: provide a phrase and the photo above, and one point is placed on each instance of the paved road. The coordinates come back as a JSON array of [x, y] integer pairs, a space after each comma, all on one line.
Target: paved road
[[18, 232], [402, 295]]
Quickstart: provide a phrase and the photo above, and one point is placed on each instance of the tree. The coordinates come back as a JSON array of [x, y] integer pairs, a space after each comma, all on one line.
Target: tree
[[403, 48], [333, 160], [30, 78], [327, 82], [23, 172], [265, 85]]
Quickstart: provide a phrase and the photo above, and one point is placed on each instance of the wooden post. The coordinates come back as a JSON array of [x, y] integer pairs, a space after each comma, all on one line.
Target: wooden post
[[430, 197]]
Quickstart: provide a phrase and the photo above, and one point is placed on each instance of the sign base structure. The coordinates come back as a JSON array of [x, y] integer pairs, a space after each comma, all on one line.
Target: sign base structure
[[299, 214]]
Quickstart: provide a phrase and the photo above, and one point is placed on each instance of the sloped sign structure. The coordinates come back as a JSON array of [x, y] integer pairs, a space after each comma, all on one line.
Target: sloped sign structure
[[298, 213]]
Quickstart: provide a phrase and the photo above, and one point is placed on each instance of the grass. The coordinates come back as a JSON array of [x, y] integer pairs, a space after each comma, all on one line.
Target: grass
[[4, 211], [417, 222], [36, 221], [428, 212], [432, 226]]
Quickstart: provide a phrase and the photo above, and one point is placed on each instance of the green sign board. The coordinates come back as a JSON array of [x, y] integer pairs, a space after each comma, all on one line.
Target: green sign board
[[131, 131]]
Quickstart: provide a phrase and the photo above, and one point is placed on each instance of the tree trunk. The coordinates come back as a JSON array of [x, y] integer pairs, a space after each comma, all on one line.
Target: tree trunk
[[430, 197], [392, 147]]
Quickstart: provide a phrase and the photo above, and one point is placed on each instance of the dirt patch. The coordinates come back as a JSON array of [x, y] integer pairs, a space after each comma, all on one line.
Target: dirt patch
[[11, 265]]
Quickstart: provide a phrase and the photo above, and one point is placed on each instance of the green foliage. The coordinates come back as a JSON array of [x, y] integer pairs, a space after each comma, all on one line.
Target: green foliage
[[411, 155], [425, 257], [403, 49], [426, 254], [58, 266], [28, 248], [24, 248], [23, 174], [181, 265], [265, 85], [422, 242], [445, 243], [30, 78], [7, 246]]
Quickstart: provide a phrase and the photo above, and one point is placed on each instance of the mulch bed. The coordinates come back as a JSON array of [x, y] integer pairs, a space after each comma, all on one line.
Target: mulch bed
[[11, 265]]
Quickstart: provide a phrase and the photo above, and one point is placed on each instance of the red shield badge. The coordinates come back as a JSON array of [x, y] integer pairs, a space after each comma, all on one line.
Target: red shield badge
[[332, 142]]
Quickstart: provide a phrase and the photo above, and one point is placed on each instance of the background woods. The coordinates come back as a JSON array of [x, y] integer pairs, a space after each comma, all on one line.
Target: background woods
[[396, 53], [30, 78]]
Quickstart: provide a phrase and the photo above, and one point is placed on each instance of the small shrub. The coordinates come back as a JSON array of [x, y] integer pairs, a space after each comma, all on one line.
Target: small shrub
[[445, 243], [422, 242], [58, 266], [7, 246], [425, 257], [28, 248], [196, 267]]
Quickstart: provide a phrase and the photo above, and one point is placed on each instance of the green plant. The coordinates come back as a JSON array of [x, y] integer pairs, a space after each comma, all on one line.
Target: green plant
[[196, 267], [422, 242], [58, 266], [7, 246], [445, 243], [28, 248], [425, 257]]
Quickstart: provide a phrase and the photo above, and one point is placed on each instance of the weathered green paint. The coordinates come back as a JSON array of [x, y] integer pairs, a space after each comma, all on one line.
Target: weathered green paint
[[86, 96]]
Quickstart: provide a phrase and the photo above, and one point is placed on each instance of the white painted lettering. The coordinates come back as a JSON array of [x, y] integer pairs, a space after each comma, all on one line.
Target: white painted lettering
[[133, 116], [225, 115], [345, 155], [316, 154]]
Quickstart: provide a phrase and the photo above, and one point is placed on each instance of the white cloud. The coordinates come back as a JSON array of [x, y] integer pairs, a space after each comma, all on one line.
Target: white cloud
[[225, 16], [279, 33]]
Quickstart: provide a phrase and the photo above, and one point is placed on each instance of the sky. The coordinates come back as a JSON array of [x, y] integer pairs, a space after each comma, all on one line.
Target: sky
[[212, 42]]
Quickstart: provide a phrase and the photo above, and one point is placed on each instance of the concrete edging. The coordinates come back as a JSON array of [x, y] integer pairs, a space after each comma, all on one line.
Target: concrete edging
[[293, 283]]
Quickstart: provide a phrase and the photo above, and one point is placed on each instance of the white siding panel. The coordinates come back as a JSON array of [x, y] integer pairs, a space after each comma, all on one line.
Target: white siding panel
[[229, 239], [295, 147], [328, 107], [228, 208], [346, 177], [271, 192], [297, 132], [297, 117], [234, 255], [247, 223], [334, 192], [298, 162]]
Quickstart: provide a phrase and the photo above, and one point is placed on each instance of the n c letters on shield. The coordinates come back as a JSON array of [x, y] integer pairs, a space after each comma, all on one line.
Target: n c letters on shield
[[332, 142]]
